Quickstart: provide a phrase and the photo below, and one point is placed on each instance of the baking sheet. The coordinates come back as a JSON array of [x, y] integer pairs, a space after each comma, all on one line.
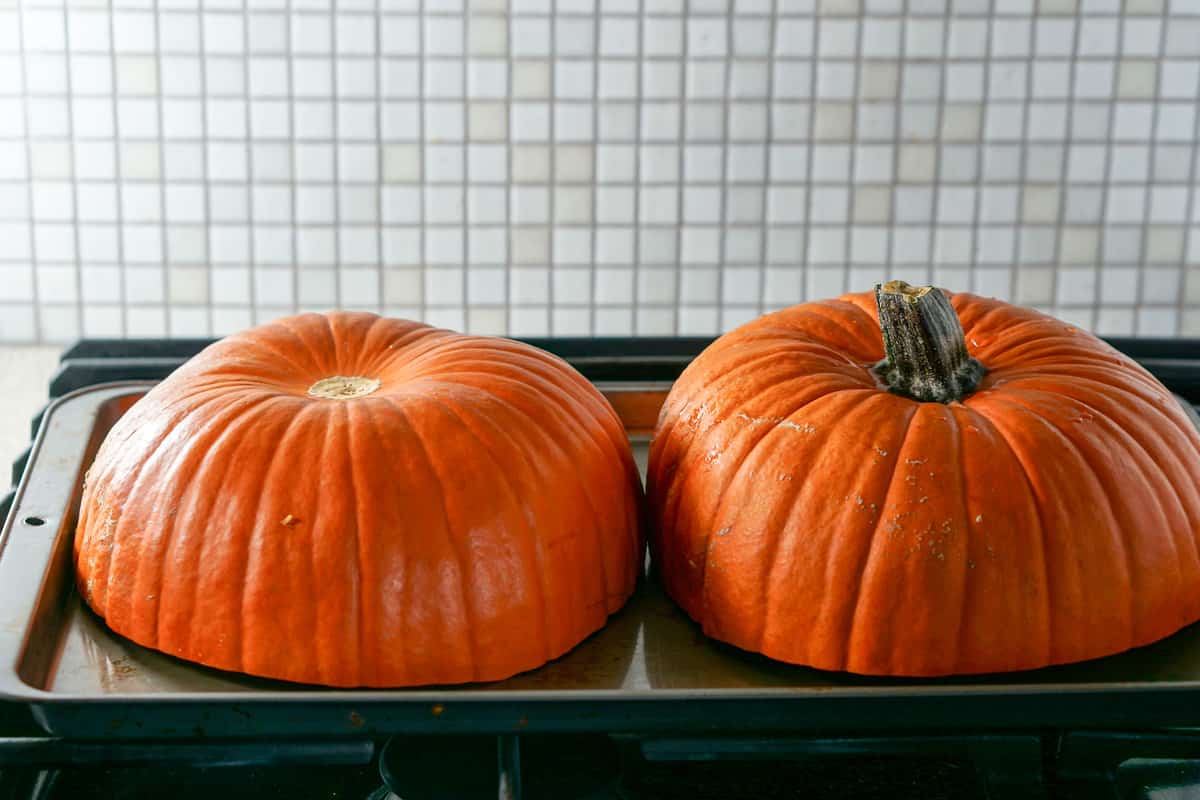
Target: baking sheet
[[649, 669]]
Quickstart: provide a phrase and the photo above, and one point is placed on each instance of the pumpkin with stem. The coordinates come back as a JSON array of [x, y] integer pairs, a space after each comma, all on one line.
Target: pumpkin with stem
[[351, 500], [981, 488]]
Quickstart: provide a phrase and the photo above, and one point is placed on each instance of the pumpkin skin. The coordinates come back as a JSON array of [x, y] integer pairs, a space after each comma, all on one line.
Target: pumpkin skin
[[473, 517], [805, 512]]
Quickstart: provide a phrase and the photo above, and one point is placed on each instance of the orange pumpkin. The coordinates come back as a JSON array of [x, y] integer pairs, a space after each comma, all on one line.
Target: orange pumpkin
[[1001, 495], [351, 500]]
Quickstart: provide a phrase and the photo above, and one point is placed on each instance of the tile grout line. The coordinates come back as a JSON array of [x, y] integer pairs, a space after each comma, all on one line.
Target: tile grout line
[[660, 183], [552, 156], [377, 75], [1150, 185], [422, 237], [1116, 226], [765, 220], [806, 261], [1169, 305], [119, 177], [293, 224], [336, 189], [75, 174], [508, 183], [1190, 219], [1036, 140], [636, 148], [1023, 177], [251, 245], [652, 58], [1063, 169], [939, 145], [852, 158], [1106, 184], [981, 165], [165, 251], [291, 143], [680, 144], [885, 15], [593, 279], [466, 171], [722, 192], [35, 295]]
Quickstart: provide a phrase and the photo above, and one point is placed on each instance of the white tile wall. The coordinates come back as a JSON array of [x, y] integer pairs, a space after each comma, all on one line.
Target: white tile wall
[[607, 167]]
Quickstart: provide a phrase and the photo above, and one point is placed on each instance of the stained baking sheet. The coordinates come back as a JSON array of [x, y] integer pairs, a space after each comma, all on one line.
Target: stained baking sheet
[[649, 669]]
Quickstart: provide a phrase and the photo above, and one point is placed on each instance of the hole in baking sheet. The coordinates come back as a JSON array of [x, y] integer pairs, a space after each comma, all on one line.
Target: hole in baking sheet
[[34, 521]]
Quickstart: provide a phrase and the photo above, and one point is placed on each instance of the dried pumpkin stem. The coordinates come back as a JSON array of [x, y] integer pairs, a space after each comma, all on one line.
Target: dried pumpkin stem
[[926, 351], [341, 387]]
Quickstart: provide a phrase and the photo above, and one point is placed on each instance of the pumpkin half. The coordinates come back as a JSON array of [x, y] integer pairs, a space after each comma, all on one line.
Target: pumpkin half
[[351, 500], [992, 490]]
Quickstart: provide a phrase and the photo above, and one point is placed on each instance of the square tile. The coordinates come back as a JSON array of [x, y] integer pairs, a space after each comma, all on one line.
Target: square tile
[[443, 36], [529, 321], [572, 205], [103, 320], [488, 78], [913, 203], [1157, 322], [1122, 245], [793, 79], [1165, 244], [662, 36], [835, 80], [1178, 79], [1051, 80], [400, 120], [618, 36], [1125, 204], [529, 36], [312, 34], [1168, 204], [355, 35], [399, 78], [1079, 244], [703, 122], [574, 35], [530, 163], [1176, 122], [1083, 205], [445, 246], [45, 73], [271, 246], [444, 79], [706, 79], [574, 79], [660, 79], [185, 244], [177, 33], [530, 245]]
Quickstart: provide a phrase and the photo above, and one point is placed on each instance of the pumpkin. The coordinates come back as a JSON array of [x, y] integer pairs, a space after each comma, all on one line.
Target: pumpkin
[[982, 488], [351, 500]]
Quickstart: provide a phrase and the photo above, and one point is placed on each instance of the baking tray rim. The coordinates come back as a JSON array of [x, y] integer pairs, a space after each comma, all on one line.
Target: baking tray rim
[[13, 639]]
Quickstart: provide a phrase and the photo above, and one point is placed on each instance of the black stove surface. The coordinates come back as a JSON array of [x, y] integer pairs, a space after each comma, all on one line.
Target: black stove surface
[[882, 780], [968, 764], [583, 768]]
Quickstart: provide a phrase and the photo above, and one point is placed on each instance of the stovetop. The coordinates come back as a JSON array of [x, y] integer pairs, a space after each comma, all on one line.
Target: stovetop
[[1058, 764]]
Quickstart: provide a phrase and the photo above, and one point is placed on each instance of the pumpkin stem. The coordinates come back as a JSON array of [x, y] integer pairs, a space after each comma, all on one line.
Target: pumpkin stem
[[340, 387], [926, 350]]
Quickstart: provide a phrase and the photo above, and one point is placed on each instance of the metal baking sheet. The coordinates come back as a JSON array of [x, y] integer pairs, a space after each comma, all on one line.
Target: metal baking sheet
[[650, 669]]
